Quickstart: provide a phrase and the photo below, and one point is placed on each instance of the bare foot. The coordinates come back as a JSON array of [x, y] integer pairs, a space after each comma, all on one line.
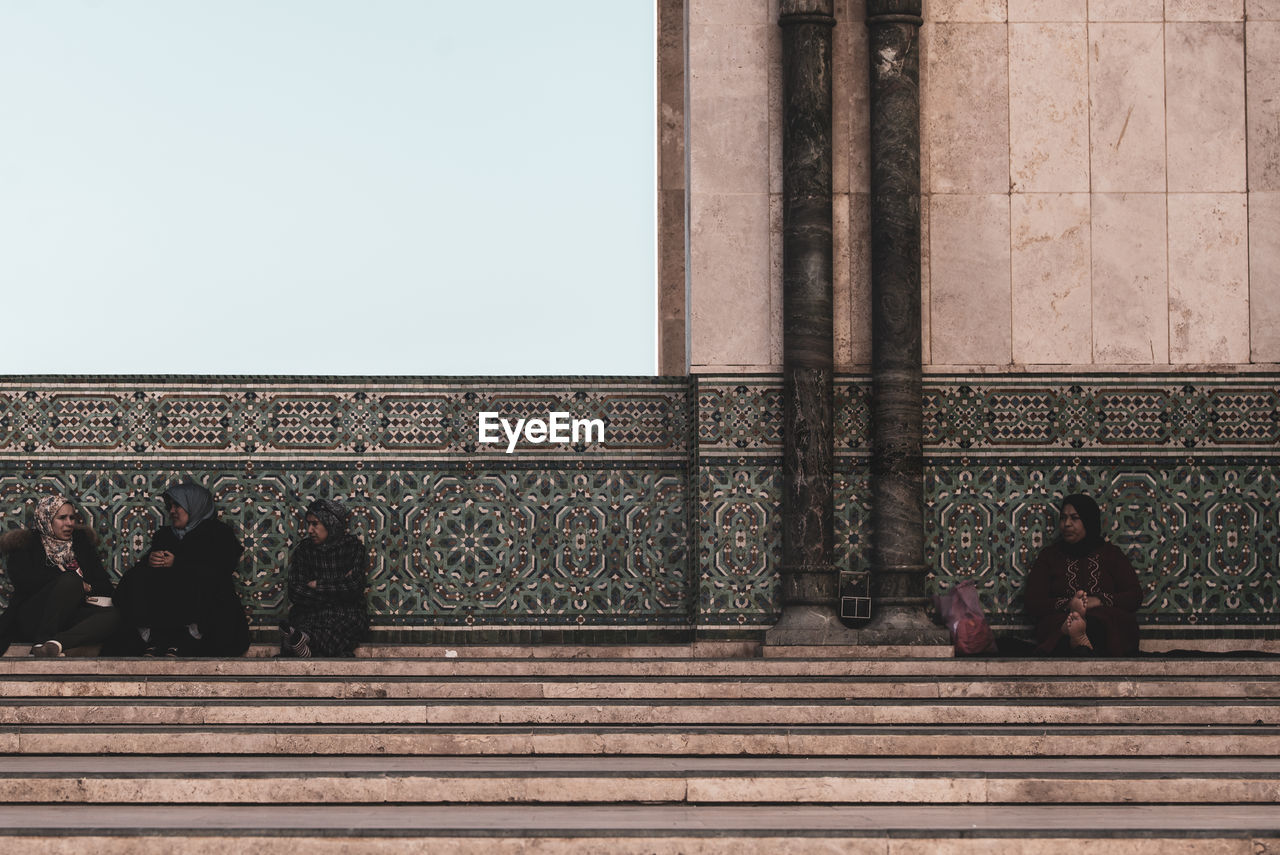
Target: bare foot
[[1075, 628]]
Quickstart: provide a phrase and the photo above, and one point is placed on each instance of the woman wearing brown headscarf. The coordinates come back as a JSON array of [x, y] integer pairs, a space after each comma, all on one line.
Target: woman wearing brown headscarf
[[61, 591], [1082, 591]]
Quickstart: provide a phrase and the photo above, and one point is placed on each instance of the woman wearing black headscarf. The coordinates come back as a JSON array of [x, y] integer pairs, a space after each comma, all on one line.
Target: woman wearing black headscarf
[[1082, 591], [181, 595], [326, 587]]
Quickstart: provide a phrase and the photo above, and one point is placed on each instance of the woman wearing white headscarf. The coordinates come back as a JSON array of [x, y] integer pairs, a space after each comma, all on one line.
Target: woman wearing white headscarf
[[61, 592], [181, 595]]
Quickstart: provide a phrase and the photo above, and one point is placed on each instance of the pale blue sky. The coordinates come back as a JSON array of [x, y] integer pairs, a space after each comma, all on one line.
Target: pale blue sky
[[327, 186]]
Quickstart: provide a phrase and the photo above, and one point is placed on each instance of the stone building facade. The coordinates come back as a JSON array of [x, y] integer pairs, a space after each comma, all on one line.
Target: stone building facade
[[1100, 271], [1099, 293], [1100, 185]]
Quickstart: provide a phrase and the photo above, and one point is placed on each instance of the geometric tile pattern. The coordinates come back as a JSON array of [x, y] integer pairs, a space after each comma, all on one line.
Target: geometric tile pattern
[[743, 415], [1183, 465], [1204, 536], [740, 417], [739, 545], [323, 420], [737, 462], [526, 547], [1160, 414], [674, 520], [459, 533]]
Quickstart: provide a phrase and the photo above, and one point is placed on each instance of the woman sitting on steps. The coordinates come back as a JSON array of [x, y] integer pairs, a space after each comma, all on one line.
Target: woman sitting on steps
[[181, 596], [61, 591], [327, 582], [1082, 591]]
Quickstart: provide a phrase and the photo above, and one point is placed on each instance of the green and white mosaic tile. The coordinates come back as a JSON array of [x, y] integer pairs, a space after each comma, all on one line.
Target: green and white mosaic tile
[[672, 521]]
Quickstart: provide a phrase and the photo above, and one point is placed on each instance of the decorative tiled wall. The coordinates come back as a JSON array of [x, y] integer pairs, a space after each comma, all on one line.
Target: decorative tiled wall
[[739, 458], [1184, 466], [460, 534], [673, 522]]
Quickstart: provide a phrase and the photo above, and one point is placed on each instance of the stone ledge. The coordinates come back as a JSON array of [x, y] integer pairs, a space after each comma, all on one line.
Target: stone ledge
[[655, 843], [913, 821]]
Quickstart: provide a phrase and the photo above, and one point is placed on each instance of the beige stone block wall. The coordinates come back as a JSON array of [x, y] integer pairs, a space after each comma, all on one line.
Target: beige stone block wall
[[1130, 279], [1208, 278], [1204, 10], [1263, 10], [969, 10], [1126, 123], [1264, 276], [1100, 184], [1204, 98], [1126, 10], [1051, 278], [1262, 65], [730, 306], [734, 109], [1047, 10], [1142, 140], [731, 129], [1049, 108], [969, 278], [968, 120]]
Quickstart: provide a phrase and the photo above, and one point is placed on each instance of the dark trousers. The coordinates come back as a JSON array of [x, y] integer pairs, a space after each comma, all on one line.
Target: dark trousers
[[58, 612]]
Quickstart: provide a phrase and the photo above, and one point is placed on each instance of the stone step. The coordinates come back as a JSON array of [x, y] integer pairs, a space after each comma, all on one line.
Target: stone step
[[680, 841], [883, 829], [663, 687], [778, 711], [684, 839], [154, 779], [539, 753], [649, 739], [587, 668]]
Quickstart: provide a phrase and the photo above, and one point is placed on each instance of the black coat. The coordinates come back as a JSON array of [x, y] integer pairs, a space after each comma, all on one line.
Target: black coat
[[199, 588], [29, 570]]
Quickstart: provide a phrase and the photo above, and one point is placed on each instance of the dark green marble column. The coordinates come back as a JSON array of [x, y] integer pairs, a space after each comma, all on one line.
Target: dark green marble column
[[897, 461], [810, 581]]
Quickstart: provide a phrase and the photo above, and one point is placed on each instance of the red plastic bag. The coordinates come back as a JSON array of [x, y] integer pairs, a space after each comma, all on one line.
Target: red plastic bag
[[961, 611]]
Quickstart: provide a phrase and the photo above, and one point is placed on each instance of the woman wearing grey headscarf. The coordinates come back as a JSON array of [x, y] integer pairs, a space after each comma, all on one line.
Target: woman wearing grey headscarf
[[181, 596], [329, 616]]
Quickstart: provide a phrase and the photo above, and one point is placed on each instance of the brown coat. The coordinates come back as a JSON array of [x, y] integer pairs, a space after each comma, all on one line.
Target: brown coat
[[1104, 573]]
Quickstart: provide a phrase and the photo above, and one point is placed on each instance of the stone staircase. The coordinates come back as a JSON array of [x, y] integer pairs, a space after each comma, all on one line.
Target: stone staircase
[[653, 750]]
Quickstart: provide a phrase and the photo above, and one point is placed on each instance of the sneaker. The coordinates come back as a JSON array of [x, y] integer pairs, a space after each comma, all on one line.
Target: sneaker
[[50, 648]]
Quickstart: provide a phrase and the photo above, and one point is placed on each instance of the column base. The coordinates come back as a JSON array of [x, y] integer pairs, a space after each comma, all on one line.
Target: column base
[[901, 623], [811, 630]]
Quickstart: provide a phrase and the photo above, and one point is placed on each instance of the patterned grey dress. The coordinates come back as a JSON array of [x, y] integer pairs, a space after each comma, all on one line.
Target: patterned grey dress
[[330, 618]]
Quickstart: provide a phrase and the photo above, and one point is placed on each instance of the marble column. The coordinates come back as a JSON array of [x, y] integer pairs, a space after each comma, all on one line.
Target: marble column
[[810, 582], [897, 460]]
